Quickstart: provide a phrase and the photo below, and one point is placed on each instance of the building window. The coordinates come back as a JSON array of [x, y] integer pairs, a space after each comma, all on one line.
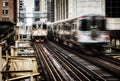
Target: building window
[[5, 3], [21, 3], [5, 19], [20, 6], [36, 19], [113, 8], [5, 11]]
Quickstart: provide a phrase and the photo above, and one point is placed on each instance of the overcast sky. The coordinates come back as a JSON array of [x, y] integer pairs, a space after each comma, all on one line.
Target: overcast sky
[[29, 4]]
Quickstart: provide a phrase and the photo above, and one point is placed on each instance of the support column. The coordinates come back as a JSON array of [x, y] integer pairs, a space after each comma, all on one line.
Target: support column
[[76, 8], [55, 10], [59, 9], [13, 51], [0, 62], [1, 59], [65, 9], [31, 77], [62, 9], [31, 65]]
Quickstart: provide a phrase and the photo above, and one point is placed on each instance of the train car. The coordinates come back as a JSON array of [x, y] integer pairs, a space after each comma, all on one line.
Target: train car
[[40, 32], [89, 31]]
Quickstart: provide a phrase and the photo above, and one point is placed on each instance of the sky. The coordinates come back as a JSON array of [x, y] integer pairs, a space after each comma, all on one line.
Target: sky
[[29, 4]]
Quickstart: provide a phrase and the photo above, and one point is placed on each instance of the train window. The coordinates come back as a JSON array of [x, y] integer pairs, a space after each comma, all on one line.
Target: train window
[[58, 27], [87, 24], [20, 36], [34, 26], [54, 27], [67, 27], [75, 26], [83, 25], [62, 27], [49, 28], [72, 26], [24, 36], [94, 22], [98, 23], [102, 24], [44, 26]]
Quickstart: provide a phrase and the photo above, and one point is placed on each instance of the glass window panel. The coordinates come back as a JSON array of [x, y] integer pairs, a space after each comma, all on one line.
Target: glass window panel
[[112, 8]]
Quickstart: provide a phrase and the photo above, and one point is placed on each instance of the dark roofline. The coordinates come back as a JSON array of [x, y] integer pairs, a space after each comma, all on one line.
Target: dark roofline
[[7, 23]]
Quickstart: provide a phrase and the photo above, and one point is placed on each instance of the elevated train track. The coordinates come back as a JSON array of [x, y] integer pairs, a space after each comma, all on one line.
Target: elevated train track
[[61, 65], [98, 63]]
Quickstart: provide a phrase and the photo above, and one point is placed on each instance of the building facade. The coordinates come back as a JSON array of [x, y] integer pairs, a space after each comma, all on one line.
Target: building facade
[[8, 10], [8, 19], [61, 9], [109, 8], [36, 9], [43, 10], [50, 10], [21, 11], [40, 10]]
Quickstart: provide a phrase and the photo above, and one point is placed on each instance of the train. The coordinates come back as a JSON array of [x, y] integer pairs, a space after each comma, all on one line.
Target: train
[[88, 31], [39, 32]]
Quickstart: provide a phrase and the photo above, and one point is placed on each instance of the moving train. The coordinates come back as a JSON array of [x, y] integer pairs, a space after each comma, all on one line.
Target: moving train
[[40, 32], [88, 31]]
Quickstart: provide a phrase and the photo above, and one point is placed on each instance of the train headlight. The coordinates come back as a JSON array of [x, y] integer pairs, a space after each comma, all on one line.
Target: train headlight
[[44, 33]]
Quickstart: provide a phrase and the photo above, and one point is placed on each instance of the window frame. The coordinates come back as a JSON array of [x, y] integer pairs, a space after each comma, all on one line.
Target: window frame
[[5, 3], [5, 12]]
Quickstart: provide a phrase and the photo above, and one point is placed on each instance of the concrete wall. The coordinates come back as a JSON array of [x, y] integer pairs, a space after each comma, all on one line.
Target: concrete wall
[[72, 8], [113, 23], [79, 7]]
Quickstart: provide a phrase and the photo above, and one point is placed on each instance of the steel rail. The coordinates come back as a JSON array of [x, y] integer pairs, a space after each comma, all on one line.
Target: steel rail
[[41, 64], [48, 59], [111, 70], [79, 76], [47, 63], [62, 72]]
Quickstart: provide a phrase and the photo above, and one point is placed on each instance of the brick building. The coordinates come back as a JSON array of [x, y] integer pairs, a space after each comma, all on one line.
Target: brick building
[[8, 10], [8, 19]]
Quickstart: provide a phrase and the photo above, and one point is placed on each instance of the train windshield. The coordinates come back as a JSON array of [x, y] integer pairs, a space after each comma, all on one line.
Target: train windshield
[[34, 27], [92, 23], [44, 26]]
